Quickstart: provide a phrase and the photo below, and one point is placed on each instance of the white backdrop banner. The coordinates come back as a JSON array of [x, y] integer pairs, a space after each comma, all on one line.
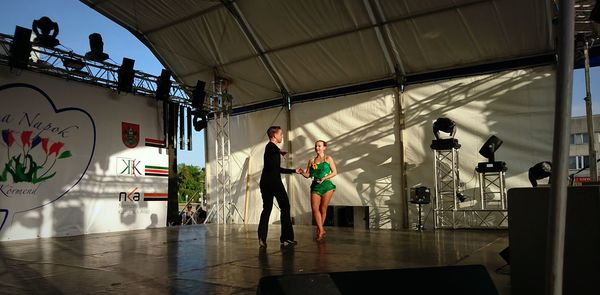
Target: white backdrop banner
[[77, 159], [516, 106], [368, 133]]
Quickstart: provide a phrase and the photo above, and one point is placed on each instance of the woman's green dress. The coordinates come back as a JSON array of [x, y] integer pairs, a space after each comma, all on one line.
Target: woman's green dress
[[321, 170]]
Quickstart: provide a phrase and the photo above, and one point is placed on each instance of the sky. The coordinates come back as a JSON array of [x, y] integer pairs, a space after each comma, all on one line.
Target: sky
[[76, 21]]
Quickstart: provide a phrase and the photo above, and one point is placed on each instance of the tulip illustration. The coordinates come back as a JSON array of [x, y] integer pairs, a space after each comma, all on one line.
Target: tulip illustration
[[45, 145], [23, 167], [55, 147], [8, 137], [25, 138]]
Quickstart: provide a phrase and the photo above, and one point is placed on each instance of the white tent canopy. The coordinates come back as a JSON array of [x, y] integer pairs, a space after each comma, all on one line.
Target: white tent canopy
[[271, 48], [372, 59]]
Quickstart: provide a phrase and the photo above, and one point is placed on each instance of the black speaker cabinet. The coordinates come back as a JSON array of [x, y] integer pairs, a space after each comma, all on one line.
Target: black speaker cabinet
[[528, 232], [456, 279]]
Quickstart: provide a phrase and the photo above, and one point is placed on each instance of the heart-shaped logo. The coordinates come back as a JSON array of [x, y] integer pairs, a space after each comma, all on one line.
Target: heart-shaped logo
[[44, 150]]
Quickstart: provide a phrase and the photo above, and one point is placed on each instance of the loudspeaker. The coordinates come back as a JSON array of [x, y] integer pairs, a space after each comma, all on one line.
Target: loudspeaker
[[457, 279], [126, 75], [198, 95], [420, 195], [20, 49], [595, 14], [163, 86], [528, 210]]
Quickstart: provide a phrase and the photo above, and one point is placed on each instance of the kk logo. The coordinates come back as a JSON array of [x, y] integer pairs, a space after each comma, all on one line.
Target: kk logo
[[127, 166], [130, 133]]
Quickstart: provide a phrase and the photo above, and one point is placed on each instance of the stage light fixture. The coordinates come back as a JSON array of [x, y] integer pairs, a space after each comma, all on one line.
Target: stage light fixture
[[73, 63], [20, 49], [539, 171], [96, 52], [488, 150], [444, 125], [200, 120], [163, 85], [444, 130], [46, 31], [126, 75]]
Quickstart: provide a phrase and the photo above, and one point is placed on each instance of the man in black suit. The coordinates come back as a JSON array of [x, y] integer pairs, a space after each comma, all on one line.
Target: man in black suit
[[271, 186]]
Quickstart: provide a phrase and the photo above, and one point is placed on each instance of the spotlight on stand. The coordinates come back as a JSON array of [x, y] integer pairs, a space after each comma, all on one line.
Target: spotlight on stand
[[445, 140], [46, 31], [539, 171], [420, 195], [488, 150], [96, 52]]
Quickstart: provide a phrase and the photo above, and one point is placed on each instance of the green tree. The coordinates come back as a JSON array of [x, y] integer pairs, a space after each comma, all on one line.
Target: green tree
[[191, 180]]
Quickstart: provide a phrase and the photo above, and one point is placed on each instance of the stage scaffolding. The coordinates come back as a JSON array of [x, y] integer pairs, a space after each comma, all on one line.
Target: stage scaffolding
[[222, 210], [72, 66], [452, 209]]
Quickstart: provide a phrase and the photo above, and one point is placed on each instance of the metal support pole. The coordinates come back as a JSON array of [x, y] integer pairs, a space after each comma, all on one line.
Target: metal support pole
[[562, 115], [588, 112]]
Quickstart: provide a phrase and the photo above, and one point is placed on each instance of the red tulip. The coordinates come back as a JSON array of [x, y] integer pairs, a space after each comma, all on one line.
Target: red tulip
[[45, 145], [55, 148], [25, 138]]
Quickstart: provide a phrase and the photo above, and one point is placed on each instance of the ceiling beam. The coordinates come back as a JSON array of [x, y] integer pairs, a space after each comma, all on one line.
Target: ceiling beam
[[257, 46], [383, 23]]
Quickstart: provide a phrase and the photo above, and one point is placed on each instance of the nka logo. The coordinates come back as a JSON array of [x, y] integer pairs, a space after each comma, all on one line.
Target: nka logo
[[132, 196], [127, 166]]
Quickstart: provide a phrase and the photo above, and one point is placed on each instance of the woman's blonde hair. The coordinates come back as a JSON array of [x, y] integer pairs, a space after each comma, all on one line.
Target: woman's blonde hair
[[324, 142]]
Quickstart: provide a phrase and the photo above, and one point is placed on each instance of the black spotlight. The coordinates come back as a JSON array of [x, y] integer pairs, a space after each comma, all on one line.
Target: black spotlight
[[163, 85], [444, 125], [444, 141], [539, 171], [126, 75], [46, 31], [595, 15], [20, 49], [488, 150], [96, 52], [200, 120]]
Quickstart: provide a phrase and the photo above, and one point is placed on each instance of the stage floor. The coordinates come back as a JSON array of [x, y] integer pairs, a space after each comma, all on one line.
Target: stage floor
[[226, 259]]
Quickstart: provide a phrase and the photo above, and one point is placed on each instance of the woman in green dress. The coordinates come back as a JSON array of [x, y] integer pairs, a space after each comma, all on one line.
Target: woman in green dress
[[321, 169]]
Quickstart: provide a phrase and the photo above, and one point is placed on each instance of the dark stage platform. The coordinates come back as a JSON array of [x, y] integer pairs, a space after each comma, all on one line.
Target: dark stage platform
[[226, 259]]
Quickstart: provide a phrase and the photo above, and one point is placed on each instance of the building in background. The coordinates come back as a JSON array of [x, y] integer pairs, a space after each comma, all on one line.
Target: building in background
[[579, 147]]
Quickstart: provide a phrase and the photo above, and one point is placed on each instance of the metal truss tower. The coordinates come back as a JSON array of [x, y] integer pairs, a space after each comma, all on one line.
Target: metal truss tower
[[220, 104]]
